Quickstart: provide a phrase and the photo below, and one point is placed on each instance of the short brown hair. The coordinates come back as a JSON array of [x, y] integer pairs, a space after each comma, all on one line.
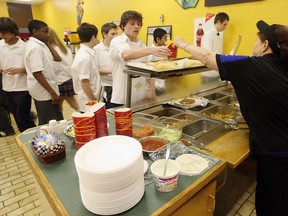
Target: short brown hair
[[130, 15]]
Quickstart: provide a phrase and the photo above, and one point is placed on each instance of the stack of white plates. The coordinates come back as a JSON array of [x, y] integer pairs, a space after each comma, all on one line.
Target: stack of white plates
[[110, 171]]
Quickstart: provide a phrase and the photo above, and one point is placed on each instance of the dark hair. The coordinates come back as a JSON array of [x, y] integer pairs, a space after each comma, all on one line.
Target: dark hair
[[35, 24], [8, 25], [221, 16], [130, 15], [107, 27], [277, 36], [158, 33], [86, 31]]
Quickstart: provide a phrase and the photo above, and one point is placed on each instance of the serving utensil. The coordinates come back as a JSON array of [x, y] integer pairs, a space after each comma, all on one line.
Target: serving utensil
[[201, 146], [166, 157]]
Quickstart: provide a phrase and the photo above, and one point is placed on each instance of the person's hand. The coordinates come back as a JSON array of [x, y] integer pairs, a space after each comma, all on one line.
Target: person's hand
[[161, 51], [150, 95], [55, 98], [180, 42], [13, 71]]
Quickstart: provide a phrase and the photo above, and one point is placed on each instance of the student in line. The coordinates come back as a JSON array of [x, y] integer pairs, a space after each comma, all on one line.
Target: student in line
[[42, 83], [63, 71], [108, 31], [86, 77], [14, 74], [160, 38]]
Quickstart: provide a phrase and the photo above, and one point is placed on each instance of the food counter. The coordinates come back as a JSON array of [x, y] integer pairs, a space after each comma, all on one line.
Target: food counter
[[194, 195], [59, 183]]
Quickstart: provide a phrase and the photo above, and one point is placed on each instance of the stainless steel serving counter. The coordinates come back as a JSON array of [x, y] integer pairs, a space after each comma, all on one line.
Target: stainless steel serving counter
[[189, 81]]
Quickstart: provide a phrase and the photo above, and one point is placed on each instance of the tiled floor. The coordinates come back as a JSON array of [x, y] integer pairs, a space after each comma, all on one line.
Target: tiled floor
[[18, 194]]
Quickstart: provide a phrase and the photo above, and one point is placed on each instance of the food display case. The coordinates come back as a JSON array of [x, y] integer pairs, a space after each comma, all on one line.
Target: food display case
[[179, 82]]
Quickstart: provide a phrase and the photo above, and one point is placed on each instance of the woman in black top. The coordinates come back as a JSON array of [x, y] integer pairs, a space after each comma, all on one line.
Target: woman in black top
[[261, 84]]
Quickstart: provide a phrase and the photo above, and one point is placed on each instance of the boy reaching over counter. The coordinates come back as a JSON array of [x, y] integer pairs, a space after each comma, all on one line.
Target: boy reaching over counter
[[128, 47]]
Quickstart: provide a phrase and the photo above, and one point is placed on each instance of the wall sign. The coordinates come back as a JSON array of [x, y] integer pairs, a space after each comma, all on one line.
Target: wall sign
[[187, 3], [222, 2]]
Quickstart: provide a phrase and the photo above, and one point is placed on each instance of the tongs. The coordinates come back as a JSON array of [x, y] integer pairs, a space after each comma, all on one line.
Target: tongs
[[201, 146]]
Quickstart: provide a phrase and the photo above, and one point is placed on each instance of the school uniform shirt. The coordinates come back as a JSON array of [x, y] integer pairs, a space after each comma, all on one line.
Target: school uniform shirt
[[213, 41], [63, 68], [85, 66], [159, 83], [12, 57], [37, 57], [261, 85], [117, 46], [103, 58]]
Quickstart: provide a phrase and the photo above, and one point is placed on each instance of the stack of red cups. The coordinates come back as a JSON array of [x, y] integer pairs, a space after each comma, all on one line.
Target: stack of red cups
[[84, 128], [123, 121], [100, 119]]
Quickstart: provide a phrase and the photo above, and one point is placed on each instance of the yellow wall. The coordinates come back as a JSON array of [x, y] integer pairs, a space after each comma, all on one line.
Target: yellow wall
[[3, 9], [59, 14]]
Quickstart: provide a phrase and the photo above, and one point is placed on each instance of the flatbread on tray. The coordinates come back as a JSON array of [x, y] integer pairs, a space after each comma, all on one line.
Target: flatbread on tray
[[192, 164], [189, 102]]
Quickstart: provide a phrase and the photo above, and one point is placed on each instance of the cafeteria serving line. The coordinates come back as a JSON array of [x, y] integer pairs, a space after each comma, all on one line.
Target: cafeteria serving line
[[179, 149], [28, 203]]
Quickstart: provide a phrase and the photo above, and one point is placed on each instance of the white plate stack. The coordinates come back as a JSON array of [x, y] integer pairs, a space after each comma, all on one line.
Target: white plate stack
[[110, 171]]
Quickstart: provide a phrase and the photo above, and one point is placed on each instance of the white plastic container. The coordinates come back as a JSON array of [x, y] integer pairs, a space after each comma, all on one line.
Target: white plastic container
[[168, 182]]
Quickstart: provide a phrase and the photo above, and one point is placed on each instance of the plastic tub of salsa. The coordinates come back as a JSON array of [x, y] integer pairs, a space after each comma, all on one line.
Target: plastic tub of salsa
[[153, 143]]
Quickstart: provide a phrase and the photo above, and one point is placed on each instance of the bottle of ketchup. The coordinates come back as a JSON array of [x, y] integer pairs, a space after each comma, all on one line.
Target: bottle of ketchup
[[199, 35]]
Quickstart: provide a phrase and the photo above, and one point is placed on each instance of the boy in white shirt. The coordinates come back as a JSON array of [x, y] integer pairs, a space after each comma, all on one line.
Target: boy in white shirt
[[41, 79], [109, 31], [14, 74], [128, 47], [160, 39], [85, 74]]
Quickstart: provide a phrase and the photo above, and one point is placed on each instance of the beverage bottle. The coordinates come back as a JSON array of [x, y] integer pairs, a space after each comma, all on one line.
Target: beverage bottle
[[199, 35]]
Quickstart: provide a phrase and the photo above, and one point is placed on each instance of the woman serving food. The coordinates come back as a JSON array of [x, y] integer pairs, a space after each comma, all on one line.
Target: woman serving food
[[261, 84]]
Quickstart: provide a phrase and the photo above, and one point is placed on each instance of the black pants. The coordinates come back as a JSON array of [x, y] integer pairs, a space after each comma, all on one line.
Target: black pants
[[20, 106], [272, 188], [47, 111], [5, 123], [107, 100]]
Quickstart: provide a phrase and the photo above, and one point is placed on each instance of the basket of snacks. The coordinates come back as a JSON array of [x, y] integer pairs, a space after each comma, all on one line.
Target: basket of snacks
[[47, 146]]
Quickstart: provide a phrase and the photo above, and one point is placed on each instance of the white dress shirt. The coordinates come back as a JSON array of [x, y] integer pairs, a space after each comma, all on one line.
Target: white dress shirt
[[85, 66], [117, 46], [37, 57], [12, 57]]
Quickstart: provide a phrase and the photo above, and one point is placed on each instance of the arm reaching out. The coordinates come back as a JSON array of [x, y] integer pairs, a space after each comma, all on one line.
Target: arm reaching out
[[207, 57]]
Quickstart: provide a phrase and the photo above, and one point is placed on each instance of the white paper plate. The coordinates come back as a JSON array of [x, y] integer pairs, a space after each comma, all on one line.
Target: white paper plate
[[192, 164], [146, 166]]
